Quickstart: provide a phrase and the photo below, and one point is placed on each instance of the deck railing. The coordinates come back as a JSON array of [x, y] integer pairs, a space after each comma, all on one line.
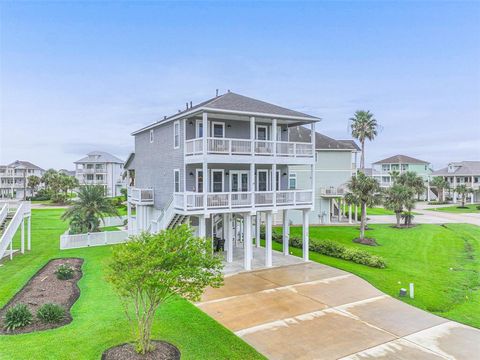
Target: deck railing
[[140, 196], [332, 191]]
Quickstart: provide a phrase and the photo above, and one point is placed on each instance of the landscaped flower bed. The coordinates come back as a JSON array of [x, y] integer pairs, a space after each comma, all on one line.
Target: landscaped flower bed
[[48, 297]]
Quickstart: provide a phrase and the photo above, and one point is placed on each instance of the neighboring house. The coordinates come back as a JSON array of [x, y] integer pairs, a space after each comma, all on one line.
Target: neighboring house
[[462, 173], [67, 172], [384, 170], [101, 168], [14, 179], [219, 165], [335, 164]]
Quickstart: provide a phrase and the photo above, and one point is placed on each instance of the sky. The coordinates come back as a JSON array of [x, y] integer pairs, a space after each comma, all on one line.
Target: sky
[[81, 76]]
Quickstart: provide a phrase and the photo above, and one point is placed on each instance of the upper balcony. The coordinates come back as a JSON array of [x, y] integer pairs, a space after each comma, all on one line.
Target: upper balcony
[[332, 192], [140, 196]]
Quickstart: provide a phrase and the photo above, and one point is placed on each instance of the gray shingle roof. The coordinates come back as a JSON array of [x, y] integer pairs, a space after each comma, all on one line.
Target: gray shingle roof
[[463, 168], [99, 157], [322, 142], [401, 159], [238, 103], [24, 164]]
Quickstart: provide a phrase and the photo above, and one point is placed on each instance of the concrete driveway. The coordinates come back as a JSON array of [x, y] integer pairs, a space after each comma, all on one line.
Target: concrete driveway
[[313, 311], [430, 217]]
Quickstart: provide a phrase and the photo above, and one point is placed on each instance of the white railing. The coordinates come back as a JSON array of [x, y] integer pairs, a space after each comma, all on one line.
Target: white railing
[[191, 201], [332, 191], [68, 241], [140, 196], [166, 215], [3, 213], [229, 146], [7, 236]]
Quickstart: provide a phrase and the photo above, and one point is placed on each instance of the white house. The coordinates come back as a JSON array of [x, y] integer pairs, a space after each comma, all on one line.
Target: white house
[[14, 179], [462, 173]]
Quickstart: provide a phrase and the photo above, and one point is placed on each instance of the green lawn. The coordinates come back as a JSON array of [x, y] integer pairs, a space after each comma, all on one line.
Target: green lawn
[[442, 261], [110, 228], [469, 208], [379, 211], [98, 319]]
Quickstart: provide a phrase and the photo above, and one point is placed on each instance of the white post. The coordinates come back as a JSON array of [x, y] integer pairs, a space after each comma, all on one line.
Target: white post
[[305, 233], [252, 135], [454, 186], [412, 291], [227, 228], [105, 239], [314, 164], [274, 185], [285, 233], [29, 233], [204, 163], [22, 245], [247, 241], [258, 223], [252, 184], [268, 239], [201, 226], [350, 214]]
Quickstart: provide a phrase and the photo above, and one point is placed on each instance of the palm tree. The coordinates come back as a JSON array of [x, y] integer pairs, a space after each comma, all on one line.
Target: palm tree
[[463, 190], [91, 207], [364, 191], [33, 182], [440, 184], [396, 198], [411, 180], [364, 126]]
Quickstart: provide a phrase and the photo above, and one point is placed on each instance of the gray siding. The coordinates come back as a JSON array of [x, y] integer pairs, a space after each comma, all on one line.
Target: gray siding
[[155, 162]]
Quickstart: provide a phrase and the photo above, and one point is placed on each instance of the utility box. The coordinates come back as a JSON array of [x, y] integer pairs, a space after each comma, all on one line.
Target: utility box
[[403, 292]]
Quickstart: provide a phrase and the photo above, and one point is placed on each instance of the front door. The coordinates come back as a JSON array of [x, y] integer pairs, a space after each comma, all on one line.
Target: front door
[[217, 181], [262, 180], [239, 181]]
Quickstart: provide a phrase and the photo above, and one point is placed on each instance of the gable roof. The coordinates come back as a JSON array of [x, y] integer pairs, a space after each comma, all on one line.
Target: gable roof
[[401, 159], [236, 103], [99, 157], [462, 168], [24, 164], [322, 142]]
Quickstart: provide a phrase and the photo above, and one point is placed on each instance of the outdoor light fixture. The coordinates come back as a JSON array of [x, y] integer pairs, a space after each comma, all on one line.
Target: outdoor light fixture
[[284, 174], [191, 173], [229, 126], [190, 123]]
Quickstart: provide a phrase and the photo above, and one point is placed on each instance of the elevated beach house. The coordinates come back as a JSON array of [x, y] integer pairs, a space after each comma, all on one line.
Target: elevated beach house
[[462, 173], [218, 165]]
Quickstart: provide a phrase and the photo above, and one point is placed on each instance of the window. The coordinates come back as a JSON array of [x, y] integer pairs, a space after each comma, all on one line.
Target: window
[[217, 180], [89, 176], [199, 181], [262, 132], [218, 129], [176, 180], [277, 181], [99, 177], [292, 181], [262, 180], [151, 136], [385, 167], [176, 134], [199, 128]]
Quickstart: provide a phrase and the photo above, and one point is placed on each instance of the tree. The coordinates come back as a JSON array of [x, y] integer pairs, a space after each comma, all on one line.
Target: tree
[[439, 183], [91, 207], [33, 183], [363, 191], [463, 190], [151, 269], [48, 177], [364, 126], [396, 198], [411, 180]]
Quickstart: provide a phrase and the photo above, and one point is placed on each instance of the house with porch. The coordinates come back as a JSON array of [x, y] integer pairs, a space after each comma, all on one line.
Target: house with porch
[[462, 173], [14, 179], [335, 164], [219, 166]]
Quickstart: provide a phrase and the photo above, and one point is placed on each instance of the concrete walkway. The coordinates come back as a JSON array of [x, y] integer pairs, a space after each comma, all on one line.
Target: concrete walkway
[[313, 311]]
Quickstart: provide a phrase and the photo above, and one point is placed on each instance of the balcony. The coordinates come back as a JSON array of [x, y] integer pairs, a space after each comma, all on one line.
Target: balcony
[[332, 191], [249, 201], [140, 196], [227, 146]]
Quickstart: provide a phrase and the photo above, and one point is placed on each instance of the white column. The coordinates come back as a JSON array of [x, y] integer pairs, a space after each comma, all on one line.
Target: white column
[[201, 226], [305, 234], [258, 223], [454, 186], [227, 226], [350, 214], [204, 163], [29, 233], [22, 245], [473, 192], [252, 134], [285, 233], [312, 170], [274, 182], [268, 239], [252, 183], [247, 241]]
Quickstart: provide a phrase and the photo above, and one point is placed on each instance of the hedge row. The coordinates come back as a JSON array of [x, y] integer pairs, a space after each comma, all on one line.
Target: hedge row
[[333, 249]]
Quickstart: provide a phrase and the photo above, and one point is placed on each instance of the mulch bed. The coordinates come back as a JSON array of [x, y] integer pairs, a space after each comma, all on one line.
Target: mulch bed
[[366, 241], [43, 288], [163, 351]]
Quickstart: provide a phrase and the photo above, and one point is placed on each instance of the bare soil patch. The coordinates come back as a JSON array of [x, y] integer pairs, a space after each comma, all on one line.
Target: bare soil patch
[[163, 351], [43, 288], [366, 241]]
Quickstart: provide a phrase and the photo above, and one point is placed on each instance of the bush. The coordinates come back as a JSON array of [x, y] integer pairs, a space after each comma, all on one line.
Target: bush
[[51, 313], [64, 272], [333, 249], [478, 207], [17, 316], [438, 203]]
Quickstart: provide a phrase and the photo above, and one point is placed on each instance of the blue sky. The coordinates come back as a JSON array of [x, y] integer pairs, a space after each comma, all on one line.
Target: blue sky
[[77, 77]]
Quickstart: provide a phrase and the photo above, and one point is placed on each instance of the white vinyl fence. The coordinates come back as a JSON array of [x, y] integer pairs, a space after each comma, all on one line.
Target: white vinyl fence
[[92, 239], [114, 221]]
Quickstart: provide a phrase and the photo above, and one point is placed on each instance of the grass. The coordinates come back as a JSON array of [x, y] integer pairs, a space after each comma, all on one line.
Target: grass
[[442, 261], [379, 211], [110, 228], [98, 319], [469, 208]]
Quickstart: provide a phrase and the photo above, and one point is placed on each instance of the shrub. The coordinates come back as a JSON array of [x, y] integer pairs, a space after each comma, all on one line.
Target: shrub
[[51, 313], [17, 316], [438, 203], [478, 207], [64, 272]]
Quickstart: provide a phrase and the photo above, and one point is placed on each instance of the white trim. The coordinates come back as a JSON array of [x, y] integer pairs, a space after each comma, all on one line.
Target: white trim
[[266, 127], [212, 125], [197, 128], [175, 124], [258, 179], [175, 171], [211, 179]]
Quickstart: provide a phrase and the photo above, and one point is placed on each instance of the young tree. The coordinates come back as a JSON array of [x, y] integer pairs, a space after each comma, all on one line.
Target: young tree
[[364, 126], [396, 198], [463, 190], [151, 269], [91, 207], [440, 184], [33, 183], [364, 191]]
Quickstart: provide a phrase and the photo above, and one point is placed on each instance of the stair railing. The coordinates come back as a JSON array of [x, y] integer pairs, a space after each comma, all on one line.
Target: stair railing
[[9, 233]]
